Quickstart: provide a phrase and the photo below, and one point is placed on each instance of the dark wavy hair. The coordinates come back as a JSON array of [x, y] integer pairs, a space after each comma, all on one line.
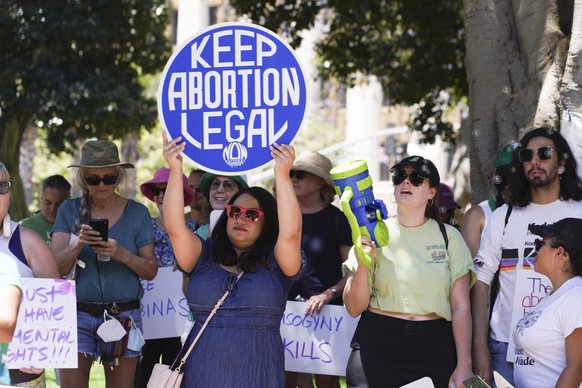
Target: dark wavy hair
[[222, 250], [570, 185], [432, 210], [574, 254]]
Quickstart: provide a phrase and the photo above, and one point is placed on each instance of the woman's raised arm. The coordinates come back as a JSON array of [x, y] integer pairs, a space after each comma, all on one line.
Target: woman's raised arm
[[187, 246], [288, 246]]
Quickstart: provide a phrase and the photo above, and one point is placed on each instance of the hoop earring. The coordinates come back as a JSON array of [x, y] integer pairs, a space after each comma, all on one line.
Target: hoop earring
[[430, 202]]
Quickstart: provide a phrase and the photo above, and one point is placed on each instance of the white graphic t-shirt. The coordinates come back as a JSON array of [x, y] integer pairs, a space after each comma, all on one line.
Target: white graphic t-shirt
[[540, 336], [505, 247]]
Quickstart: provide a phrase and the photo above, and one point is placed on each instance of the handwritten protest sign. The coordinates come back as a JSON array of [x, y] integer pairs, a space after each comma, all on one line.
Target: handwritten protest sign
[[231, 91], [319, 343], [46, 330], [164, 309]]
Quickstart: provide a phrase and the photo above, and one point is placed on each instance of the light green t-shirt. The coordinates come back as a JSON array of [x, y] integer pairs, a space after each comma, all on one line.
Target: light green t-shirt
[[414, 273], [40, 225]]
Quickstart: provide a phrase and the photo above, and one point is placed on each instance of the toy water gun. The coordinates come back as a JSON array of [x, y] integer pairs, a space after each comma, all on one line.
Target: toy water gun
[[364, 213]]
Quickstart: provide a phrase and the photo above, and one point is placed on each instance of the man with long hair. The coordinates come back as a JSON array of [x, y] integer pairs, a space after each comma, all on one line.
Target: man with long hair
[[544, 188]]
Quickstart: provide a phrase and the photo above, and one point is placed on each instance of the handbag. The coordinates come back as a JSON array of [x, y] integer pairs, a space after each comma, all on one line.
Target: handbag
[[163, 376]]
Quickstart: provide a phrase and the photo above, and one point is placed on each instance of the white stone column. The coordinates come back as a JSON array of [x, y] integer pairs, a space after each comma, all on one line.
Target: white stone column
[[363, 104], [192, 17]]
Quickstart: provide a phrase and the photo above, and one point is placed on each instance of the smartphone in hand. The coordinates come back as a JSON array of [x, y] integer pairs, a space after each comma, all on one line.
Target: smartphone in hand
[[102, 226]]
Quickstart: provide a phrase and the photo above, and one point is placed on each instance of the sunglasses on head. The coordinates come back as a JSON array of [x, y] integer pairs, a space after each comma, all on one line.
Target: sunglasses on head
[[156, 190], [414, 177], [227, 185], [251, 215], [5, 187], [106, 179], [527, 154], [297, 174]]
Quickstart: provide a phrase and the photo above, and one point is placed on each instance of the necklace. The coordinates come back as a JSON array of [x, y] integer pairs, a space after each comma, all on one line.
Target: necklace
[[106, 210]]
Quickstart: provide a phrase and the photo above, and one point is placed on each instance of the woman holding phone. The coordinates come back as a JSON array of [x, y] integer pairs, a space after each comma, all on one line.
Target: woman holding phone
[[109, 270]]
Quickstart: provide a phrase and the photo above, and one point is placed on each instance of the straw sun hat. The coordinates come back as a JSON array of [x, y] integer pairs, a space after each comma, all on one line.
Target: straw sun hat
[[314, 163]]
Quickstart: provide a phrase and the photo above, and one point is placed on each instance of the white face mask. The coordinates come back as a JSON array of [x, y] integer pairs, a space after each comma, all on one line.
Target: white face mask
[[110, 330], [135, 341]]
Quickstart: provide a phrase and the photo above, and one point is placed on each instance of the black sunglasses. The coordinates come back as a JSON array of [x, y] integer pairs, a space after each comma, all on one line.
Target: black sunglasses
[[539, 243], [5, 187], [156, 190], [527, 154], [414, 177], [107, 179], [297, 174], [251, 215]]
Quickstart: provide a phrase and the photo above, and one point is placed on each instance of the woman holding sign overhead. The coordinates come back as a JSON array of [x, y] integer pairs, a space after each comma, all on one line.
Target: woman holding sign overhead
[[414, 296], [256, 242]]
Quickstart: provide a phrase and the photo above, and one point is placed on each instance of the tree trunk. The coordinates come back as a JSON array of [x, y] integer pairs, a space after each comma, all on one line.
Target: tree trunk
[[10, 142], [512, 84], [572, 79], [27, 153], [130, 153]]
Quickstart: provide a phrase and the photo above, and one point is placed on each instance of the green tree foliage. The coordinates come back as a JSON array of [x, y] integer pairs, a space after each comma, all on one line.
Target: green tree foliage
[[415, 48], [73, 67]]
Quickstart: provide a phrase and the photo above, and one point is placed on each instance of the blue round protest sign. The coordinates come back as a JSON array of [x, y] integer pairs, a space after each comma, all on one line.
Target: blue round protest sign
[[231, 91]]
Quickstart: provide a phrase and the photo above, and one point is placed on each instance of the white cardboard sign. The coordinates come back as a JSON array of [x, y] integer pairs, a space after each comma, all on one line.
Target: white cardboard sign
[[317, 344], [46, 330], [164, 309]]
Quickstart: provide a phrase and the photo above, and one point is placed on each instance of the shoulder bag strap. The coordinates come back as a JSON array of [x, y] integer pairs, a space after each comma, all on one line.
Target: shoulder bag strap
[[212, 313]]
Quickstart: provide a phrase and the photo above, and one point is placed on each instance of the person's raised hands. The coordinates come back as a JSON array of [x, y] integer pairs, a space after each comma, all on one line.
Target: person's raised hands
[[284, 156], [172, 151]]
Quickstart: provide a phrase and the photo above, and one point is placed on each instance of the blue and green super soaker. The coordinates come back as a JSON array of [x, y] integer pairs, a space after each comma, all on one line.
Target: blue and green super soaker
[[364, 213]]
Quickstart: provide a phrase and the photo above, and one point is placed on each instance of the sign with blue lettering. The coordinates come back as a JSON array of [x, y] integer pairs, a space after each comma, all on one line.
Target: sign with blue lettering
[[231, 91], [164, 310], [46, 329]]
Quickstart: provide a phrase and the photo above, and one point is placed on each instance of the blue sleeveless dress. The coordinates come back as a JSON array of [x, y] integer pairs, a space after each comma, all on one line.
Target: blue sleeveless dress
[[242, 345]]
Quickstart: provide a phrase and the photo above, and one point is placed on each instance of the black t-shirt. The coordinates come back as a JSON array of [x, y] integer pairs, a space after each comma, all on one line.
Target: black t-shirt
[[322, 235]]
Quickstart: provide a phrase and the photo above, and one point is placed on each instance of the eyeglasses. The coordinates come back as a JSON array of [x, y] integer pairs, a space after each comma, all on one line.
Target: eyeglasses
[[539, 243], [414, 177], [251, 215], [156, 190], [527, 154], [227, 185], [107, 179], [5, 187], [297, 174]]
